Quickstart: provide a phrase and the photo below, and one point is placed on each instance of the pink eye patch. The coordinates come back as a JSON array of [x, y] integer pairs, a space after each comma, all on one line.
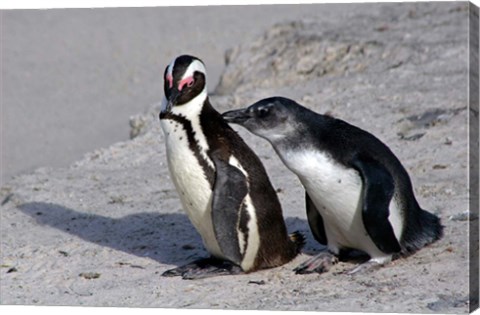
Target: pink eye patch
[[169, 80], [188, 81]]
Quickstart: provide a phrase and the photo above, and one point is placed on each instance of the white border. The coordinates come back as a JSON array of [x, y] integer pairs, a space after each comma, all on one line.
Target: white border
[[56, 4]]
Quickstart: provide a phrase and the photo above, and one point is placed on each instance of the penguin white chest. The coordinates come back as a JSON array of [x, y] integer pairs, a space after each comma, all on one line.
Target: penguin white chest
[[191, 182], [336, 192]]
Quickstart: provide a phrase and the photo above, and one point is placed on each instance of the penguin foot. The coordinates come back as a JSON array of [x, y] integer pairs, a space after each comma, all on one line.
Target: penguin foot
[[366, 267], [320, 263], [204, 268]]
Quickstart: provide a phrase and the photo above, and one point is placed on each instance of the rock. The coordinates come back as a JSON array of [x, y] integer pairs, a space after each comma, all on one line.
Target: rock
[[90, 275], [148, 120]]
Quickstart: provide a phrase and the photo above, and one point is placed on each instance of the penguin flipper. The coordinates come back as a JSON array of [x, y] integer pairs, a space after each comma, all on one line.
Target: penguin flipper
[[315, 221], [377, 192], [229, 191]]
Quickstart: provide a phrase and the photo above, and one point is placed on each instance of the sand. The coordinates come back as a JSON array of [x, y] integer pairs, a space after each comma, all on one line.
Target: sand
[[100, 231]]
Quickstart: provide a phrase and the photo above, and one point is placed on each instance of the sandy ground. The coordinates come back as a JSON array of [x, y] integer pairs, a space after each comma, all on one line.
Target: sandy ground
[[101, 231]]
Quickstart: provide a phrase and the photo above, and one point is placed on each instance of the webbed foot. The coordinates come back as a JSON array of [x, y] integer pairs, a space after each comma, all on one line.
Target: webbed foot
[[366, 267], [204, 268], [320, 263]]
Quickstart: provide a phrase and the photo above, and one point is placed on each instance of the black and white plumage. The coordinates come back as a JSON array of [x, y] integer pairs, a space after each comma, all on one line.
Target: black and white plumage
[[358, 194], [222, 184]]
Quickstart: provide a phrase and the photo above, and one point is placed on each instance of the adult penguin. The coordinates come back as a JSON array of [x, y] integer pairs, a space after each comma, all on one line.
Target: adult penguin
[[222, 184]]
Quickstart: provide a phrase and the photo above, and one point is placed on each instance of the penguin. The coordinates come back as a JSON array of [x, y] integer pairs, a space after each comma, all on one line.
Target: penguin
[[222, 184], [358, 195]]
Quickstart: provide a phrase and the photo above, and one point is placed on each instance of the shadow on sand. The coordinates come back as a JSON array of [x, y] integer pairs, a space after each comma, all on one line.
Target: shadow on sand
[[168, 238]]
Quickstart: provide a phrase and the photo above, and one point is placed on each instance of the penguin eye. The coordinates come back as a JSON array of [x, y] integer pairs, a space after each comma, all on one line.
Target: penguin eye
[[262, 112], [186, 82]]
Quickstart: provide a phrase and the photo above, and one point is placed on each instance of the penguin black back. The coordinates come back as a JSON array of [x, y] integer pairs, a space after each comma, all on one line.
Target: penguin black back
[[221, 137]]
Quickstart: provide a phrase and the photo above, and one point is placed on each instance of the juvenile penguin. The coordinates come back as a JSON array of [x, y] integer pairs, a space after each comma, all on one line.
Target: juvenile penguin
[[358, 194], [222, 184]]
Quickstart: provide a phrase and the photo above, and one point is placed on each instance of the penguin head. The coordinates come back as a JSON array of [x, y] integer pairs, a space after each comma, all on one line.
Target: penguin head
[[269, 118], [185, 85]]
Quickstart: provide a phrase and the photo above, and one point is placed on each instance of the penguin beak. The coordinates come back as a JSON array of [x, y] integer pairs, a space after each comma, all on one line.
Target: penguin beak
[[172, 101], [238, 116]]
